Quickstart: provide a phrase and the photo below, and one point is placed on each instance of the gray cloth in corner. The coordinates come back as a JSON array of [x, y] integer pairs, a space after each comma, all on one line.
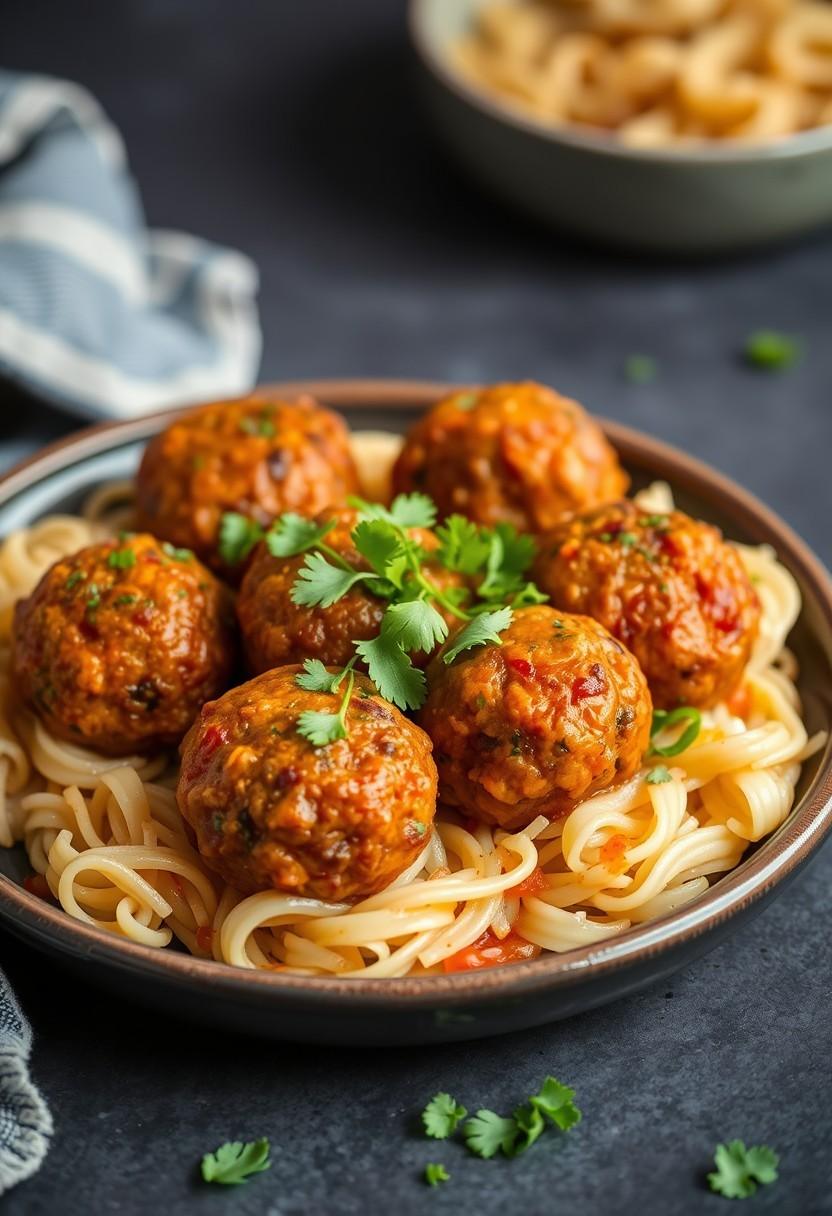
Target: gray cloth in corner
[[25, 1121]]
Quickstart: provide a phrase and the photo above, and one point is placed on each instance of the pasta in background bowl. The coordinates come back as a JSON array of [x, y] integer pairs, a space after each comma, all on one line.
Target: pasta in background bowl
[[435, 1007], [684, 125]]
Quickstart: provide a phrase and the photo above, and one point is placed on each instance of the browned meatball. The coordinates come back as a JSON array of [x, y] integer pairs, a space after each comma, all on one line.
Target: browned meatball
[[278, 631], [667, 586], [272, 811], [258, 456], [119, 646], [557, 712], [514, 452]]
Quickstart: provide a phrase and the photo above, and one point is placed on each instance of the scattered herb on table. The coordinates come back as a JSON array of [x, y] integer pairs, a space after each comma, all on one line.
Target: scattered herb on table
[[435, 1173], [771, 351], [740, 1169], [234, 1162], [441, 1116]]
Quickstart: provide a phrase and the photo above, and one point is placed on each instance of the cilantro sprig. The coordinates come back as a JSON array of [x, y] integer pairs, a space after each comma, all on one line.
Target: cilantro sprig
[[234, 1163], [322, 727], [740, 1169], [441, 1116]]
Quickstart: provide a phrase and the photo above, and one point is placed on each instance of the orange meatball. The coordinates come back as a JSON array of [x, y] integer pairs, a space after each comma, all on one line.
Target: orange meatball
[[277, 631], [271, 811], [514, 452], [258, 456], [668, 586], [119, 646], [557, 712]]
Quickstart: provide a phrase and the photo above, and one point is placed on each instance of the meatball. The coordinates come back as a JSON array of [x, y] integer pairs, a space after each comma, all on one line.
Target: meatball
[[557, 712], [258, 456], [277, 631], [514, 452], [665, 585], [119, 646], [272, 811]]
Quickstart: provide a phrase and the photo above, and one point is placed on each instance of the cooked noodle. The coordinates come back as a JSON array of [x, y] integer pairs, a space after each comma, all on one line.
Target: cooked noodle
[[107, 835]]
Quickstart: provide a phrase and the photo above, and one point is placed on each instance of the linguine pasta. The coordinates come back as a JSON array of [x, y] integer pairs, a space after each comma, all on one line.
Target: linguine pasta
[[108, 839], [659, 72]]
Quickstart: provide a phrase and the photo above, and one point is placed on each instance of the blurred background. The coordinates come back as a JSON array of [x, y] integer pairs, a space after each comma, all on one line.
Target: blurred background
[[296, 133]]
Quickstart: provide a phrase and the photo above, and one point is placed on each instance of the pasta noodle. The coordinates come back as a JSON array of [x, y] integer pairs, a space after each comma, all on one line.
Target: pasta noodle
[[108, 839], [659, 72]]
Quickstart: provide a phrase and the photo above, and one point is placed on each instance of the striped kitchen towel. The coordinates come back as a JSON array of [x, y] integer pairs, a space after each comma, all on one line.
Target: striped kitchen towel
[[97, 314], [25, 1122]]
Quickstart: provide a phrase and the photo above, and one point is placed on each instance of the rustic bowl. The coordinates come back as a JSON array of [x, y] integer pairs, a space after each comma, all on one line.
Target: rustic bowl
[[457, 1006], [700, 199]]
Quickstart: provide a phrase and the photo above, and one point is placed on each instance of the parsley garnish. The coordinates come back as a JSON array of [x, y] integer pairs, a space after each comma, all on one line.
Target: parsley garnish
[[770, 351], [658, 775], [487, 1132], [293, 534], [321, 727], [441, 1116], [663, 718], [94, 597], [238, 536], [121, 559], [739, 1169], [640, 369], [234, 1163], [435, 1173], [486, 627]]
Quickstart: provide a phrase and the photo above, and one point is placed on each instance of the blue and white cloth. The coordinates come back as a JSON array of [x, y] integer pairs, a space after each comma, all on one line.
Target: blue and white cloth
[[25, 1122], [97, 314]]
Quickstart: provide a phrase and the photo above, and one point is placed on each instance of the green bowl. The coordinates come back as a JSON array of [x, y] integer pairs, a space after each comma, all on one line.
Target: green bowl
[[698, 200]]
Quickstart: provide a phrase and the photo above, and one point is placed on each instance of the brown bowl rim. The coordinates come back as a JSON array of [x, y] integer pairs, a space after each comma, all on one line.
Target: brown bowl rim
[[773, 861]]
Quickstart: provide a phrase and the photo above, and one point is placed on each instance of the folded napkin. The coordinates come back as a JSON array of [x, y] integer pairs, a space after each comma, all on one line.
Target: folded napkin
[[25, 1122], [96, 313]]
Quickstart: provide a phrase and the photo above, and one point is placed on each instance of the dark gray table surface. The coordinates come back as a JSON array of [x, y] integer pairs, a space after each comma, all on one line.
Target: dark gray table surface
[[293, 131]]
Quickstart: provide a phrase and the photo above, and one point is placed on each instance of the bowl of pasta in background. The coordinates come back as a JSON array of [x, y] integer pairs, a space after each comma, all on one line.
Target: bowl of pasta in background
[[693, 196], [454, 1005]]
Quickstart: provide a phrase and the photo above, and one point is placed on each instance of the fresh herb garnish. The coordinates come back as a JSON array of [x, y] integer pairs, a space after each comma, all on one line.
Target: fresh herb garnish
[[488, 1133], [124, 601], [74, 579], [640, 369], [659, 775], [238, 536], [663, 718], [293, 534], [435, 1173], [121, 559], [94, 600], [177, 555], [739, 1169], [322, 727], [234, 1163], [769, 351], [484, 628], [441, 1116], [262, 426]]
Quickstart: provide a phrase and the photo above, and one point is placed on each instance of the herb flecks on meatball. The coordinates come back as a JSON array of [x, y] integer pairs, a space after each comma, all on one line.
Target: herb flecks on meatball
[[557, 712], [667, 586], [119, 646], [270, 810], [258, 456], [514, 452]]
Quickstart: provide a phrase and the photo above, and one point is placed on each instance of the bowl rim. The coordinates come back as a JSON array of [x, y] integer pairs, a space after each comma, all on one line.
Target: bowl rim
[[771, 863], [730, 152]]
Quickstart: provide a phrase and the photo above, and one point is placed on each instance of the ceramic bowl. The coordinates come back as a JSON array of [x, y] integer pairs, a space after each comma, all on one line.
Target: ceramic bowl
[[463, 1005], [698, 200]]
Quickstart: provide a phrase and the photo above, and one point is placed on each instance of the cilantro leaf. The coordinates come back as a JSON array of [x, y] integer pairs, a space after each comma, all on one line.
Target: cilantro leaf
[[530, 1125], [379, 542], [484, 628], [441, 1116], [316, 678], [770, 351], [234, 1163], [321, 726], [238, 536], [488, 1132], [739, 1169], [175, 554], [320, 583], [462, 545], [292, 534], [556, 1102], [415, 625], [435, 1173], [392, 672], [658, 775], [413, 511]]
